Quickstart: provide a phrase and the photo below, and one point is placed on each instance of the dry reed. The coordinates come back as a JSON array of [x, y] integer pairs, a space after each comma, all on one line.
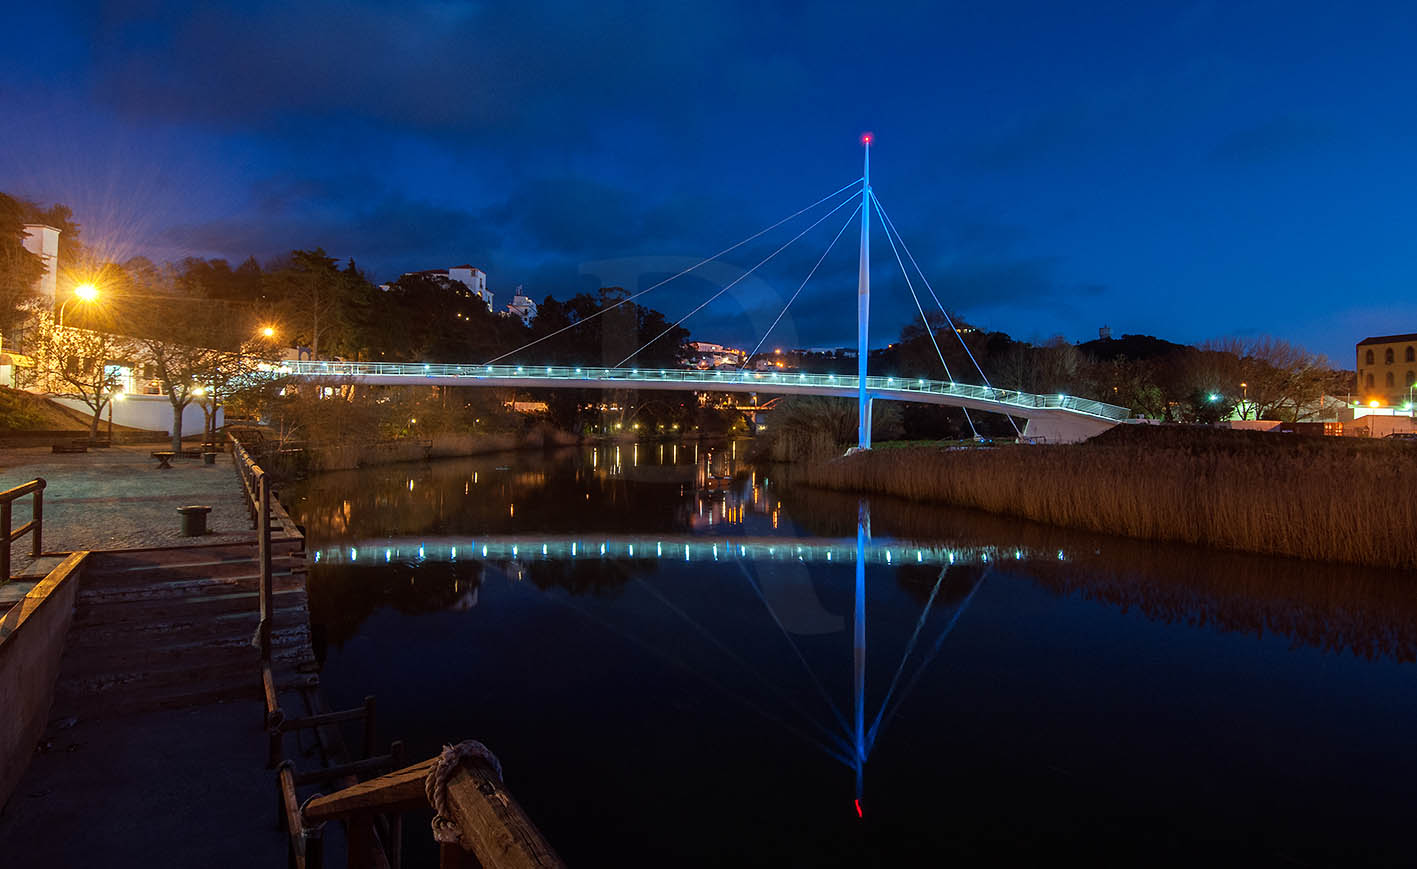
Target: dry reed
[[1328, 499]]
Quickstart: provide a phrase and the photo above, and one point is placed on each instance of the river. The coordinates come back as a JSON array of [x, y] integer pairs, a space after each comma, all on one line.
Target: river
[[679, 663]]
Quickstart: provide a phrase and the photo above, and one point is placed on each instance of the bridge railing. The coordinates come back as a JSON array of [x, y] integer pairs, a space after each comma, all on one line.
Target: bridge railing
[[707, 379]]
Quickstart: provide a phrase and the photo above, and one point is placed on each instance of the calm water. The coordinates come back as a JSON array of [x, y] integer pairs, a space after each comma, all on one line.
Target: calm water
[[675, 659]]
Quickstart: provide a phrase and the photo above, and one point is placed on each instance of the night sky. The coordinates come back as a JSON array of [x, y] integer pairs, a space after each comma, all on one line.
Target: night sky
[[1186, 170]]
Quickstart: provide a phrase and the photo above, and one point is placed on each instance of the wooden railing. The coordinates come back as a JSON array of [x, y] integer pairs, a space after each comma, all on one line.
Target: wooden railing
[[35, 526], [495, 833]]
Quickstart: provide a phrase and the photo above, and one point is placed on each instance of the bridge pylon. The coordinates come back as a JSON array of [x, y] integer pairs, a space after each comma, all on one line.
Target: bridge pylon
[[863, 303]]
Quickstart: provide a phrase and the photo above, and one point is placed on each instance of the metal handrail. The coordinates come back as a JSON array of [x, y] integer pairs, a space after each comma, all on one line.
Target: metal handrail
[[35, 526], [894, 387]]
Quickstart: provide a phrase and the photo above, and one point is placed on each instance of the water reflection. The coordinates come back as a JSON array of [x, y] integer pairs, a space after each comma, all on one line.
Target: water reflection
[[699, 503], [658, 599]]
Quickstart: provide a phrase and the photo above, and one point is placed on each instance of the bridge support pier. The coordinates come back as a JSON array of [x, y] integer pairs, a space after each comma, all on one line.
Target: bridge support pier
[[1065, 428]]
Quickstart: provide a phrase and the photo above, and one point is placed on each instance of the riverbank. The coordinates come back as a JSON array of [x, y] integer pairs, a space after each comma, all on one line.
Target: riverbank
[[1325, 499]]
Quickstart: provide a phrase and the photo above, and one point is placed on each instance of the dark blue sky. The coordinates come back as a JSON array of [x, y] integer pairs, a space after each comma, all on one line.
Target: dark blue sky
[[1189, 170]]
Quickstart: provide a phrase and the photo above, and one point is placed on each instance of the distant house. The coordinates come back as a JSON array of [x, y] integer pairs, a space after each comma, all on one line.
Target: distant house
[[521, 307], [472, 279], [1387, 368], [703, 354]]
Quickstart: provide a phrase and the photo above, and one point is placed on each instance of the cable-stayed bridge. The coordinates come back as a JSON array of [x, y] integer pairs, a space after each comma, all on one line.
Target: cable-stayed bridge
[[1051, 418]]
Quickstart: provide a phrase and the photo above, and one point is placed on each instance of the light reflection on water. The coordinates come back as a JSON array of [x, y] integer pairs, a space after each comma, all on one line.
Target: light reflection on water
[[688, 613]]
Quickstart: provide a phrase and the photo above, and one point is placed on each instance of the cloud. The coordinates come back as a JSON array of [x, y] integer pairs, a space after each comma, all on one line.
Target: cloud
[[1270, 140]]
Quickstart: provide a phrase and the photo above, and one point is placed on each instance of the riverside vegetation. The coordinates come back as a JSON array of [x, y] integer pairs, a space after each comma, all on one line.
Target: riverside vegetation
[[1328, 499]]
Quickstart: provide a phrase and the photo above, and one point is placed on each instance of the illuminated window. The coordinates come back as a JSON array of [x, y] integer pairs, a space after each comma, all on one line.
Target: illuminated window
[[1369, 358], [1387, 356], [1389, 378]]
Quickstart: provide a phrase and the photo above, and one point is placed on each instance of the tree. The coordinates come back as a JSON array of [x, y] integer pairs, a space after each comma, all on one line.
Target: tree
[[1281, 380], [77, 363], [607, 329], [191, 343], [315, 294], [20, 270], [229, 373]]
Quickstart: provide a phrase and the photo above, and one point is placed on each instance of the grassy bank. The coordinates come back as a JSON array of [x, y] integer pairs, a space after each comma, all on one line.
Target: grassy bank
[[1329, 499]]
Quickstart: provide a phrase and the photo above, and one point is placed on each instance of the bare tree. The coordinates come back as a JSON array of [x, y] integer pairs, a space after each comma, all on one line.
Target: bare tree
[[78, 363], [229, 373]]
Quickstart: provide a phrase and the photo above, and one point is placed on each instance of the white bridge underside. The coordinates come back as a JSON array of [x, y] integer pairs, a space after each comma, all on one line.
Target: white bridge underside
[[1050, 418]]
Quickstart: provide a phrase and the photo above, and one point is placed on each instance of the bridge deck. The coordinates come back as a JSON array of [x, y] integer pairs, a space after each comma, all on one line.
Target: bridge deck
[[985, 398]]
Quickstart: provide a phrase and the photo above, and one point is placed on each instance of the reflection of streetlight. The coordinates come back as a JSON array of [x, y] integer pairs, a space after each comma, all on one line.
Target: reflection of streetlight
[[84, 293]]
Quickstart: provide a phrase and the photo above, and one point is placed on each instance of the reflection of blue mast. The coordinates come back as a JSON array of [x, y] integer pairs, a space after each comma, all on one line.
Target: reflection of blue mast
[[862, 740], [863, 531]]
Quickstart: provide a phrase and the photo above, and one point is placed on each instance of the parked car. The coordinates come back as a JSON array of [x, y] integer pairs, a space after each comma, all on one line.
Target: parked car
[[1402, 436]]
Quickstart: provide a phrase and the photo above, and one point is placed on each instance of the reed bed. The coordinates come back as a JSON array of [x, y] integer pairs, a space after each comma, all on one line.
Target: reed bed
[[1327, 499]]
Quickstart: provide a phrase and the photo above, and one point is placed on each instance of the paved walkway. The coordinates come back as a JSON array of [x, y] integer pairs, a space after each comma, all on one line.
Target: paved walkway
[[117, 499], [154, 754]]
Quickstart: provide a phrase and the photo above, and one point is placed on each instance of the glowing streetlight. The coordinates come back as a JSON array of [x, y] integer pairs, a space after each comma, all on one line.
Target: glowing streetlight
[[84, 293], [268, 332]]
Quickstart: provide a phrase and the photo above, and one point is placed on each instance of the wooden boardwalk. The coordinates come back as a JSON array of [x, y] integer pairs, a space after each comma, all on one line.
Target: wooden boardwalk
[[170, 628], [158, 714]]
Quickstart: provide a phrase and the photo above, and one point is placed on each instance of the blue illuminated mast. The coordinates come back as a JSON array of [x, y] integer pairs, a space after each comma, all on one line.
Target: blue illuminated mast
[[863, 304]]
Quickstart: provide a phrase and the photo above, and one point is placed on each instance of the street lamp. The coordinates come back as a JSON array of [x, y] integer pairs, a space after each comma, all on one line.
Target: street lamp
[[117, 396], [84, 293], [268, 332]]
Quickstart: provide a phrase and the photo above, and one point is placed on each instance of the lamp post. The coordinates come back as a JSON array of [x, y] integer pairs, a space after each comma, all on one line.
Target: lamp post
[[115, 397], [84, 293]]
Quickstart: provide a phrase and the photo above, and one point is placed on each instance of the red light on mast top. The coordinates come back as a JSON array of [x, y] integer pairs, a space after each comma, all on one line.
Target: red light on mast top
[[867, 137]]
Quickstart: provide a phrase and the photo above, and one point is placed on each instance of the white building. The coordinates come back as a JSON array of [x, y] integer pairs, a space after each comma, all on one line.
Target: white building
[[471, 277], [43, 242], [522, 307], [704, 354]]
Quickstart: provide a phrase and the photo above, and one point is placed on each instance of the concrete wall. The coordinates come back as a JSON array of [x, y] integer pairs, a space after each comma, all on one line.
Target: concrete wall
[[1064, 428], [151, 412], [32, 636]]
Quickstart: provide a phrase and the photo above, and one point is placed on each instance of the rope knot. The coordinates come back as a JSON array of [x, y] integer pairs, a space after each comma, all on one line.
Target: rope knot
[[445, 830]]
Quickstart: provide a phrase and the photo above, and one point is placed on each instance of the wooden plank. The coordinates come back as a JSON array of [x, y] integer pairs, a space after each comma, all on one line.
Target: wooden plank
[[183, 587], [193, 608], [493, 825], [290, 808], [398, 791], [326, 718]]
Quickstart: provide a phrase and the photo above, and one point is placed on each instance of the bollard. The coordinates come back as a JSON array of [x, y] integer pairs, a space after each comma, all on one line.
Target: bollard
[[194, 520], [209, 458]]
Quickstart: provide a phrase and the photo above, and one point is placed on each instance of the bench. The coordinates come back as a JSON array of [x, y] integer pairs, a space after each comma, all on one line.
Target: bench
[[70, 447], [164, 459]]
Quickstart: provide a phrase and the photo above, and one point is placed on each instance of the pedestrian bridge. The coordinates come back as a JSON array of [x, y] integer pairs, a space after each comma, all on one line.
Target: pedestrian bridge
[[1051, 418], [691, 548]]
